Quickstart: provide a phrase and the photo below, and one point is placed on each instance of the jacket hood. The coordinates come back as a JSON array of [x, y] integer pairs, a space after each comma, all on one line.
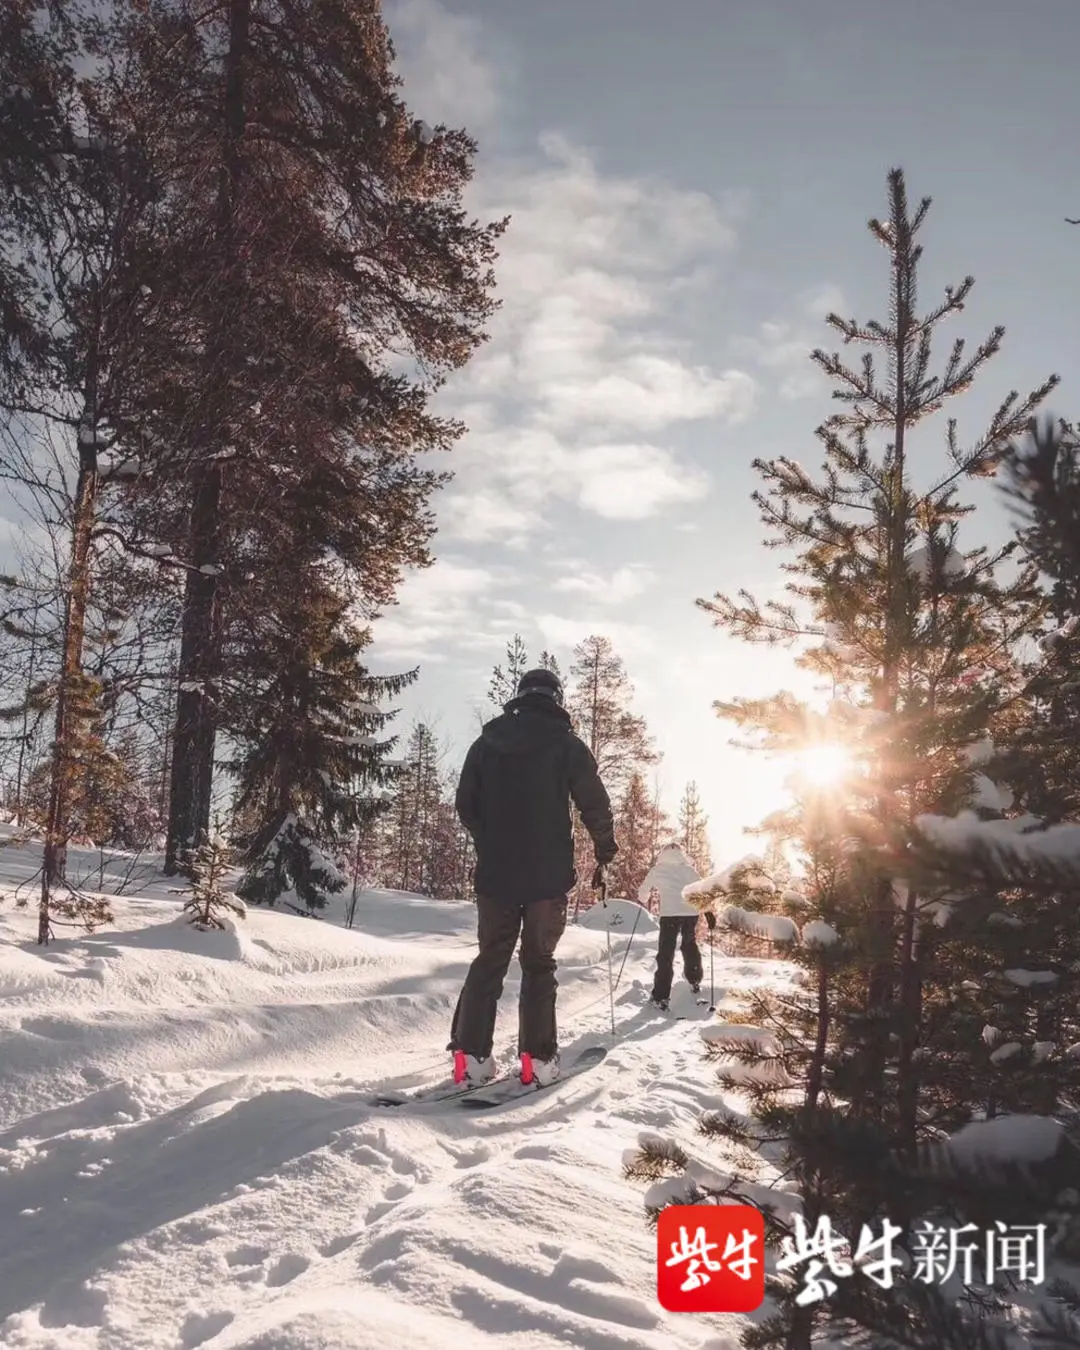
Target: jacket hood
[[527, 723]]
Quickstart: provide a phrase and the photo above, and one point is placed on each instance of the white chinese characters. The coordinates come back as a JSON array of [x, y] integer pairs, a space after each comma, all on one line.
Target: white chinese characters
[[694, 1253], [937, 1255]]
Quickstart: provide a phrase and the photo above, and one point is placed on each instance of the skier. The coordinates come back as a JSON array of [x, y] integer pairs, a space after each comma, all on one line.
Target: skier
[[671, 871], [514, 795]]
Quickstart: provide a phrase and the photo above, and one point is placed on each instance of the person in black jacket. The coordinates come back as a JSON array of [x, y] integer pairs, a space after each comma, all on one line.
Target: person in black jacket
[[514, 795]]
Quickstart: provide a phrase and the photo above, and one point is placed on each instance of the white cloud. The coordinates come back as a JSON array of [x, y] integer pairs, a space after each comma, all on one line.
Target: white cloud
[[442, 61], [533, 467], [481, 516], [562, 634], [633, 482], [583, 373], [784, 345], [622, 585], [448, 606]]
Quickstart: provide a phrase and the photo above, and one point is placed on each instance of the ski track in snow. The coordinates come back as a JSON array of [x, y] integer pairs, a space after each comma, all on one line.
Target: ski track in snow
[[188, 1158]]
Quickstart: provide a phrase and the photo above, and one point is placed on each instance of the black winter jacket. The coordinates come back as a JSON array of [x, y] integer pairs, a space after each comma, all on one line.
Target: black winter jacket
[[517, 783]]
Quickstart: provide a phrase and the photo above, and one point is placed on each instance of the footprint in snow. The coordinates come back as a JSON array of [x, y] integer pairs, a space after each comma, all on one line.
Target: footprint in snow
[[286, 1269], [366, 1156], [73, 1305], [395, 1192], [201, 1327], [339, 1244], [538, 1152], [247, 1256], [470, 1157]]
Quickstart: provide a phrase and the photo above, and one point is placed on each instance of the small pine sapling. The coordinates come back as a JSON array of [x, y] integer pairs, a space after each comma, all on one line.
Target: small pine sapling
[[210, 904]]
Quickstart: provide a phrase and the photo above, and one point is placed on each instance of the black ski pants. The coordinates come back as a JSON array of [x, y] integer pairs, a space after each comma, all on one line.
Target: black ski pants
[[540, 925], [671, 931]]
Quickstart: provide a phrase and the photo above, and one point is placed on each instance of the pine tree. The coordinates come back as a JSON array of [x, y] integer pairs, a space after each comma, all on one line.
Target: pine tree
[[633, 833], [38, 50], [504, 683], [918, 641], [78, 203], [1042, 484], [659, 825], [693, 830], [311, 761], [414, 813], [618, 738], [549, 662], [918, 650]]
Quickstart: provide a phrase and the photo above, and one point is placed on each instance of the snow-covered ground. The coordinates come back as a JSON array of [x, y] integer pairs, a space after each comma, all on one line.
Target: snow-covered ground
[[188, 1157]]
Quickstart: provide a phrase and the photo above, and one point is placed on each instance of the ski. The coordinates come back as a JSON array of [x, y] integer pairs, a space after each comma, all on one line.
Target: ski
[[504, 1087], [513, 1089], [441, 1092]]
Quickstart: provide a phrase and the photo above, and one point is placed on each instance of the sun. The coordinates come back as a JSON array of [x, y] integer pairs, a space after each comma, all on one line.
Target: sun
[[824, 765]]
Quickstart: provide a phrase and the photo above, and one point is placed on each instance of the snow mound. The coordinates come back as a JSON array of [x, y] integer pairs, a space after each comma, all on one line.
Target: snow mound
[[187, 1134], [818, 933], [1005, 1139], [773, 927], [765, 1073]]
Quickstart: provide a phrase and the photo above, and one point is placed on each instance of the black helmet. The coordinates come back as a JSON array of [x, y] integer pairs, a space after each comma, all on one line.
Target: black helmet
[[541, 681]]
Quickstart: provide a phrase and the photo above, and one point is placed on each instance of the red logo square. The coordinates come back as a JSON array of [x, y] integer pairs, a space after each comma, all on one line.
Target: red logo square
[[710, 1258]]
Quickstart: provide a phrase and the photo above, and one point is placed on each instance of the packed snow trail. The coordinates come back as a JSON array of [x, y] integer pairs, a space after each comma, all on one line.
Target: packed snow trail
[[188, 1157]]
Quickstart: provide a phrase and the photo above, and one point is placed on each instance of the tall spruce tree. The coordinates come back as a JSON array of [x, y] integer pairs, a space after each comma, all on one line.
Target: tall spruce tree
[[348, 283]]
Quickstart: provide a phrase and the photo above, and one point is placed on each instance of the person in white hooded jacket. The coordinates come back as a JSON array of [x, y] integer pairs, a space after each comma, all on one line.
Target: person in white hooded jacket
[[671, 871]]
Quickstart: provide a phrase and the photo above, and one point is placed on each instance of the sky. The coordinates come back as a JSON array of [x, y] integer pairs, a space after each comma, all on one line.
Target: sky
[[689, 186]]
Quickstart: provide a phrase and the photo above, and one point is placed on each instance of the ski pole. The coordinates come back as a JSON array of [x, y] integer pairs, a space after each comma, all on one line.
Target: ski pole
[[712, 975], [710, 919], [607, 930]]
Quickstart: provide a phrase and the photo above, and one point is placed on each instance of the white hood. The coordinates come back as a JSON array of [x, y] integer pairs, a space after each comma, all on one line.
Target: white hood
[[670, 873]]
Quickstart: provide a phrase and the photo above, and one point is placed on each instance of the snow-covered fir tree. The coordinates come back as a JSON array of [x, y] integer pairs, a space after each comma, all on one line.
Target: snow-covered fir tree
[[312, 765]]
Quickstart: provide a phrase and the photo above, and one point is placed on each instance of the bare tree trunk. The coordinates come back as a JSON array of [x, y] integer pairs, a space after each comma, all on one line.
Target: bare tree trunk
[[911, 1007], [54, 862], [25, 726], [201, 641], [193, 732], [815, 1076], [881, 982]]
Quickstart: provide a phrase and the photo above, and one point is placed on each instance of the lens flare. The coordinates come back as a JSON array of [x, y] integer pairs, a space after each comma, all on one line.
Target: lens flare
[[824, 766]]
